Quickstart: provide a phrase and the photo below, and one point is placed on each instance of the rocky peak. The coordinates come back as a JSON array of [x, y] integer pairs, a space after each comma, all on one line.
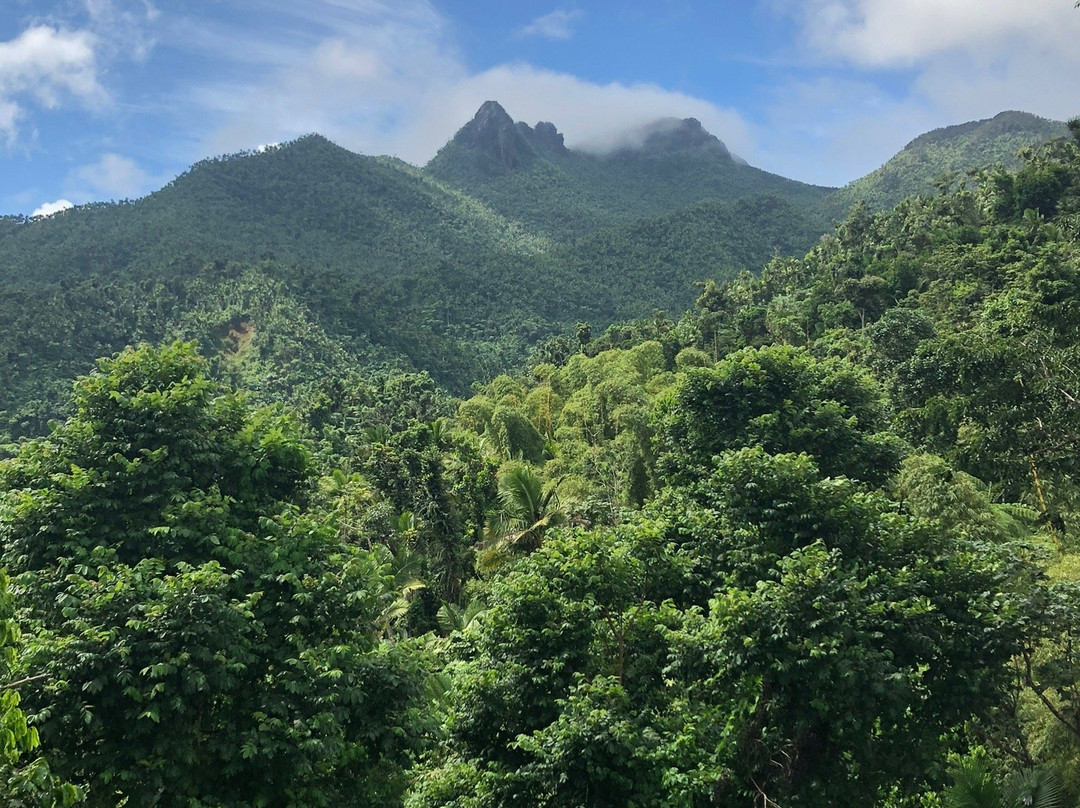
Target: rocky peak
[[548, 137], [490, 116], [494, 132]]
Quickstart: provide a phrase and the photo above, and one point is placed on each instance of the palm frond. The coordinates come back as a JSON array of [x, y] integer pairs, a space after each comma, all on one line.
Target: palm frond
[[1035, 788], [974, 786]]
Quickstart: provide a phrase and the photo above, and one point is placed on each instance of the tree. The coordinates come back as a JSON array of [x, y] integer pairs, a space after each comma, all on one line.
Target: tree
[[782, 399], [527, 511], [765, 634], [976, 785], [23, 782], [205, 641]]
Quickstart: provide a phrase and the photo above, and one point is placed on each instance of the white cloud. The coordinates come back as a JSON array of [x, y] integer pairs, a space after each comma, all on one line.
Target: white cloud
[[886, 33], [942, 61], [62, 52], [49, 208], [47, 62], [384, 79], [43, 65], [559, 24], [111, 177], [969, 58]]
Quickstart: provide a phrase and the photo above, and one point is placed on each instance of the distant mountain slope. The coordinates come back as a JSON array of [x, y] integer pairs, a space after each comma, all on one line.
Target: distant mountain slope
[[949, 150], [661, 259], [386, 263], [378, 250], [310, 200], [528, 174]]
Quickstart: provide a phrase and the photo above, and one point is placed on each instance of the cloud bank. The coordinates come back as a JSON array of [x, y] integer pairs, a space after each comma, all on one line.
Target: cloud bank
[[388, 79]]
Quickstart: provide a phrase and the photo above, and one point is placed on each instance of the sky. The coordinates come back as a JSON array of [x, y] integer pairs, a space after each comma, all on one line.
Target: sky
[[106, 100]]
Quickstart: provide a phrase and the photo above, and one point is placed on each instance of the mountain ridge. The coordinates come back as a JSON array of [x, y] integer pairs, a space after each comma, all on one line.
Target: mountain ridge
[[946, 151], [456, 275], [668, 164]]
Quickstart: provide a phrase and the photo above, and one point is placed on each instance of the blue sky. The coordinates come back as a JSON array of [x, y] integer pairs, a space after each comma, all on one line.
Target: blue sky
[[110, 99]]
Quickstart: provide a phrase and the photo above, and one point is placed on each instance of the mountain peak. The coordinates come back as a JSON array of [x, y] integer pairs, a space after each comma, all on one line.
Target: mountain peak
[[1003, 125], [671, 135], [491, 114], [548, 137], [494, 133]]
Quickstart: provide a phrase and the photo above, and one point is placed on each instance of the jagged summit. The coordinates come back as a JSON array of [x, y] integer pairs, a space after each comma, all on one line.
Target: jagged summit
[[529, 175], [493, 132], [512, 144], [507, 144], [547, 136]]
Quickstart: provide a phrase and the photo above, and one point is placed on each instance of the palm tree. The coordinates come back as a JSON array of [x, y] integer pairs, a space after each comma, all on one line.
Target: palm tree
[[975, 785], [453, 618], [527, 511]]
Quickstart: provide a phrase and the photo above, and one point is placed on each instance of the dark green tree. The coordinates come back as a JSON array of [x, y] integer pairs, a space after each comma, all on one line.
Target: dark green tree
[[25, 778], [765, 634]]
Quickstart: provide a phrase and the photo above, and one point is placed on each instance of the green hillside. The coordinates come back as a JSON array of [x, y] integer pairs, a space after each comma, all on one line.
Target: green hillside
[[387, 263], [852, 475], [950, 152], [814, 541], [507, 238]]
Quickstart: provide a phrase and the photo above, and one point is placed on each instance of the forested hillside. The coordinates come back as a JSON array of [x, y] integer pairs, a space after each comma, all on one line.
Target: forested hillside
[[815, 541], [944, 158], [376, 261]]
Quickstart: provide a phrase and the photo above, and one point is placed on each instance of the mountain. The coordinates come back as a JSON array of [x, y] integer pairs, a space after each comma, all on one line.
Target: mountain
[[303, 263], [296, 262], [951, 151], [387, 262], [528, 175]]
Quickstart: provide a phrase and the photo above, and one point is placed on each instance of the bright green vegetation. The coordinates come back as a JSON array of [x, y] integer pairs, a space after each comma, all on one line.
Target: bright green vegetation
[[25, 779], [204, 636], [814, 542]]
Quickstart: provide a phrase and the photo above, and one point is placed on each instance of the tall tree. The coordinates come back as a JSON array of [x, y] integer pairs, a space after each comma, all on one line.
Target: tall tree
[[205, 641]]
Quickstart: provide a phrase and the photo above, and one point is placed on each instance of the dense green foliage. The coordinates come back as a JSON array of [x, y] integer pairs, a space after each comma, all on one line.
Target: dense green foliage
[[203, 639], [710, 654], [456, 269], [947, 326], [379, 261], [814, 542], [25, 780]]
